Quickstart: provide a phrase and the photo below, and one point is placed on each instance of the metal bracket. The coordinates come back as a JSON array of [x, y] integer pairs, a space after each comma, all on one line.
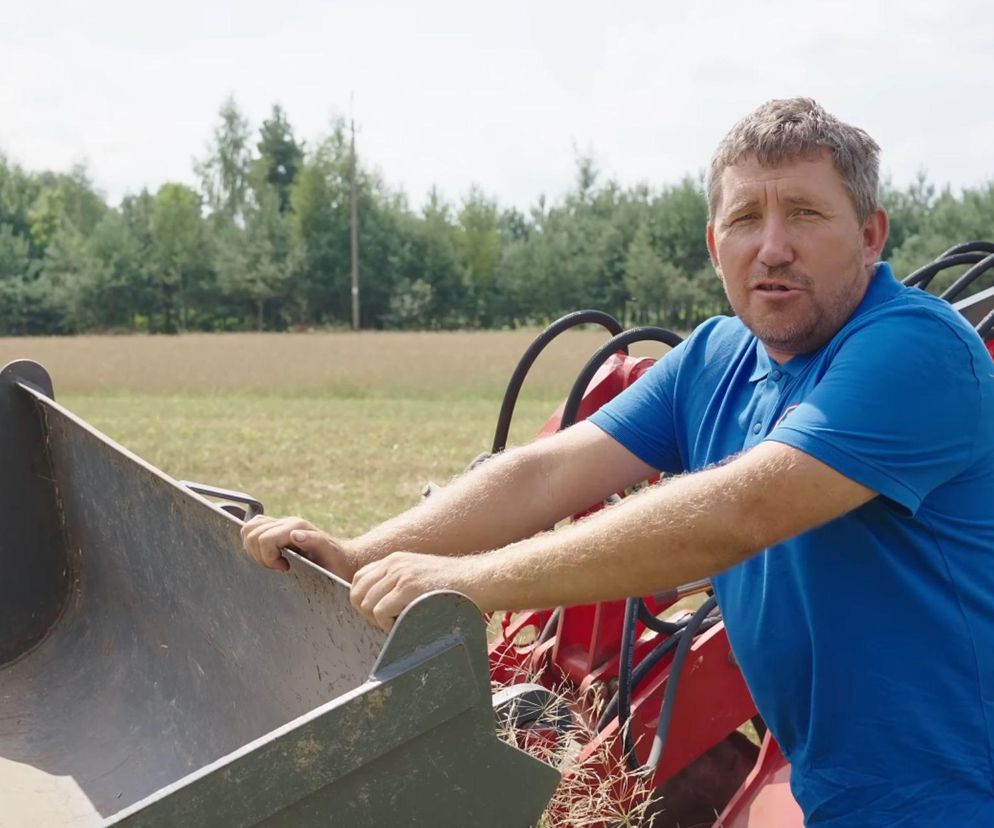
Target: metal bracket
[[521, 705], [28, 372], [254, 507]]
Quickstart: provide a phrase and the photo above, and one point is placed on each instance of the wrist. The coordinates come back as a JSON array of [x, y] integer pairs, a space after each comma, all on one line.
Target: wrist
[[479, 580], [331, 554], [347, 562]]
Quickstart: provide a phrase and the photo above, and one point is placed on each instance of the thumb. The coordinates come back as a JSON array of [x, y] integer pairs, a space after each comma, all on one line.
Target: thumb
[[307, 539], [324, 550]]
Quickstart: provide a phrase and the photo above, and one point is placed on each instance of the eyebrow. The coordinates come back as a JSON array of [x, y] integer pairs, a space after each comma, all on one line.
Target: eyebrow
[[801, 201], [741, 204], [750, 203]]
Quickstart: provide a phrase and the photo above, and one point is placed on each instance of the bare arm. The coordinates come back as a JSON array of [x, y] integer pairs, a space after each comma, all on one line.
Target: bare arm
[[509, 497], [689, 528], [512, 496]]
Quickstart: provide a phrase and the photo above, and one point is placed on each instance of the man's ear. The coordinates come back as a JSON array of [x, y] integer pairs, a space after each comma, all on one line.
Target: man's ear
[[713, 250], [875, 230]]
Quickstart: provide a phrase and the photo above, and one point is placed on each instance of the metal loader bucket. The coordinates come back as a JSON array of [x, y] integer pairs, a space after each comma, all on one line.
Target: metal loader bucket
[[151, 675]]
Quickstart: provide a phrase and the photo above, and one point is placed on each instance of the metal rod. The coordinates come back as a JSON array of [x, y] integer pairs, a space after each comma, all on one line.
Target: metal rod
[[683, 591], [355, 230]]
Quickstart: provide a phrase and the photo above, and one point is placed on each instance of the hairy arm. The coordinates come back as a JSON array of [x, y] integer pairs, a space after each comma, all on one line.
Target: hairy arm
[[513, 495], [688, 528]]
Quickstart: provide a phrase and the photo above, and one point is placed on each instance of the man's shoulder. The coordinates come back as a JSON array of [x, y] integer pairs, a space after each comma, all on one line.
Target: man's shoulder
[[719, 334], [910, 304], [718, 348], [913, 321]]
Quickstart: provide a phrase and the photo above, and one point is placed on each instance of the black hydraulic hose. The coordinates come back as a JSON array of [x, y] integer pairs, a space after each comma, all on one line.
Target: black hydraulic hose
[[629, 680], [642, 669], [632, 682], [656, 625], [620, 342], [550, 626], [571, 320], [676, 671], [624, 695], [977, 246], [926, 273], [655, 656], [951, 293]]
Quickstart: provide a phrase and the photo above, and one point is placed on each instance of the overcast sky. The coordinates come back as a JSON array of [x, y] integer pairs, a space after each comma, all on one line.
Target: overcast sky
[[497, 94]]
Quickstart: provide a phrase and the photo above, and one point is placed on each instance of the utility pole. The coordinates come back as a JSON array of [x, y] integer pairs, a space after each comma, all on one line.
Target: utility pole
[[355, 226]]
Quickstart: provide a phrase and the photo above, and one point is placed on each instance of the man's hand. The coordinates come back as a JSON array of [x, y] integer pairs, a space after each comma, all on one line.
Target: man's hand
[[265, 538], [382, 589]]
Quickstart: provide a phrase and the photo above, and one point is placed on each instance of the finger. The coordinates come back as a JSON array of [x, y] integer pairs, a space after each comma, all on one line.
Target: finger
[[364, 573], [376, 585], [250, 537], [363, 580], [264, 539], [388, 608], [272, 540], [310, 543], [251, 525], [376, 593]]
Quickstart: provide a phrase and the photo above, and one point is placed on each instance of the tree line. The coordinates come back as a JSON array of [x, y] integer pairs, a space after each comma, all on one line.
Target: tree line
[[264, 244]]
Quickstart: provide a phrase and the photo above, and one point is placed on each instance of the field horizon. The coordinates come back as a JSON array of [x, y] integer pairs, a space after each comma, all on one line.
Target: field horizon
[[343, 429], [362, 364]]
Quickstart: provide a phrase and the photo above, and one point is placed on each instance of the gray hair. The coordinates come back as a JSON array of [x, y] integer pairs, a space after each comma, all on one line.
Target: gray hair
[[784, 130]]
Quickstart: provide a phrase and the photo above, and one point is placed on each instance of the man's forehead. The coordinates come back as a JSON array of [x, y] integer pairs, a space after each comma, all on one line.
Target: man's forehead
[[802, 177]]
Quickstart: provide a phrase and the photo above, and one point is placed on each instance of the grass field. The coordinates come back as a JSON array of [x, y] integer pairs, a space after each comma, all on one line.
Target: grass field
[[343, 429]]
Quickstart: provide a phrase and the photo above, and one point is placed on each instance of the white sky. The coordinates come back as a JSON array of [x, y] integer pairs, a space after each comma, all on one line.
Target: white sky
[[497, 94]]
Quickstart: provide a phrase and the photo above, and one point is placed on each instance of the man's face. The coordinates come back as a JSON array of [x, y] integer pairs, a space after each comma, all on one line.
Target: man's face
[[794, 259]]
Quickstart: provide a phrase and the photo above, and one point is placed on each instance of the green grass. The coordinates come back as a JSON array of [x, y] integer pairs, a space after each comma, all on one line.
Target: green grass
[[343, 429], [344, 463]]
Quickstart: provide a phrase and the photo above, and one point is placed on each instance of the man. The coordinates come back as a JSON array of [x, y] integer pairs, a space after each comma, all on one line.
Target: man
[[836, 445]]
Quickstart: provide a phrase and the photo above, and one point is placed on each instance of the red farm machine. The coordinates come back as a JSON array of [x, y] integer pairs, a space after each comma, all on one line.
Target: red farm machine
[[151, 675]]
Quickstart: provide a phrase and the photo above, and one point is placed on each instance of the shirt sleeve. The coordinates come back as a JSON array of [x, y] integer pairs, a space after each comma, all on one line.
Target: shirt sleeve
[[898, 409], [641, 417]]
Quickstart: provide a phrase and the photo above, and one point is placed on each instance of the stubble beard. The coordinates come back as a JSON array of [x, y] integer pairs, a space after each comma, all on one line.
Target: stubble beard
[[814, 327]]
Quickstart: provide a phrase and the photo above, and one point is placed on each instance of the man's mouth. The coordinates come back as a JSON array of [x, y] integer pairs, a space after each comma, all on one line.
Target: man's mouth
[[775, 287]]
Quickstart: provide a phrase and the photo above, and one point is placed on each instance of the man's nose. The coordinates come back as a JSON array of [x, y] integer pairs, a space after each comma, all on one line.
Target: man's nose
[[775, 247]]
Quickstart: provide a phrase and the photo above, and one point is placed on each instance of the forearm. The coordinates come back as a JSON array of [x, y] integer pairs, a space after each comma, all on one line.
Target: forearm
[[671, 534], [692, 527], [511, 496]]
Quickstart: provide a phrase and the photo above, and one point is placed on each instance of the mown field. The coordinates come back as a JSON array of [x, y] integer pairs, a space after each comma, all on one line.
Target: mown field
[[341, 428]]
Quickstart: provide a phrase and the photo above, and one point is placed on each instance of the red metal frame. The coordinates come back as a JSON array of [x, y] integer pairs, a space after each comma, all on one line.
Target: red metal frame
[[765, 800], [582, 655]]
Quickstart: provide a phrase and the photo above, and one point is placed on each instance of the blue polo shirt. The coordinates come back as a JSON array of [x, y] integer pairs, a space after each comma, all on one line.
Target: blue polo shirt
[[867, 643]]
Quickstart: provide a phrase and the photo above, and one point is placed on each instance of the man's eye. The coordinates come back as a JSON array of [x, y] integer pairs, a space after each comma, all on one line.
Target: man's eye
[[745, 217], [807, 211]]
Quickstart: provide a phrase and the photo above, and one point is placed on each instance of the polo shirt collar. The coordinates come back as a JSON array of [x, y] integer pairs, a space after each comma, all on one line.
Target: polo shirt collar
[[883, 286]]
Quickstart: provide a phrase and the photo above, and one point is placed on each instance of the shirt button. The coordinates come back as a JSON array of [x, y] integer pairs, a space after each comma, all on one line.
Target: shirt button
[[756, 428], [776, 376]]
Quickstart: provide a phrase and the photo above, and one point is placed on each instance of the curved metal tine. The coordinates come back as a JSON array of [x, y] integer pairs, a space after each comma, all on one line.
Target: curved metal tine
[[648, 333], [963, 282], [926, 273], [976, 246], [571, 320]]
